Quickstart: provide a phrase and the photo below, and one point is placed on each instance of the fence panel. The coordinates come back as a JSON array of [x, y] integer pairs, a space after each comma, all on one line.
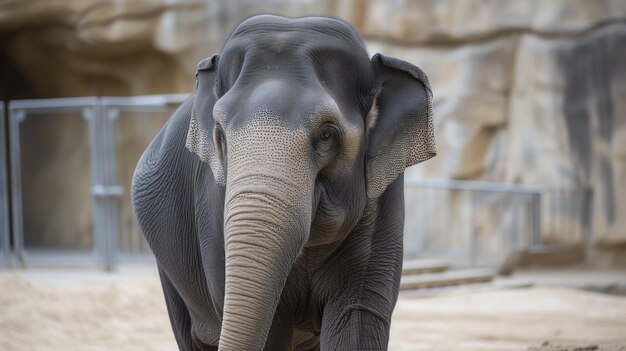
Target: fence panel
[[470, 223], [566, 215], [68, 224], [479, 223], [52, 142]]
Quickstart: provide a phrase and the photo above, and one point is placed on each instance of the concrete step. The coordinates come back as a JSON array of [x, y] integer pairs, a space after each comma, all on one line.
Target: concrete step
[[496, 284], [427, 265], [448, 278]]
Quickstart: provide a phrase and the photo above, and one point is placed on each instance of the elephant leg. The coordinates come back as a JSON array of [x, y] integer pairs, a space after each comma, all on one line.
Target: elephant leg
[[179, 316], [355, 327], [359, 317], [306, 341], [280, 336]]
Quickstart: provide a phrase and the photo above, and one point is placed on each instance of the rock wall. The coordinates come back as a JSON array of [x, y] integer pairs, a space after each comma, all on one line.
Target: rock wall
[[525, 92], [529, 92]]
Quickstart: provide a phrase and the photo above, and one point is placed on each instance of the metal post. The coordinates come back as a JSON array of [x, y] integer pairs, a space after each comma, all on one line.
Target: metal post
[[537, 237], [92, 115], [473, 235], [16, 117], [115, 190], [5, 240], [105, 227], [588, 229]]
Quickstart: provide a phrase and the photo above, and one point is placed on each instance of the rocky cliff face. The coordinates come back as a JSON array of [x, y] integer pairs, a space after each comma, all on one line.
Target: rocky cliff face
[[529, 92]]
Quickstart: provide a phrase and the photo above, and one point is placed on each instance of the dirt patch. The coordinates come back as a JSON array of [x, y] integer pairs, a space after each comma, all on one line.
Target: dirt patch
[[100, 316], [547, 346], [128, 313], [516, 319]]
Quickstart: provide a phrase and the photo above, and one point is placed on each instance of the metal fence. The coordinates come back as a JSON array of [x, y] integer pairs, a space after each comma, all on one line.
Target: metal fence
[[474, 223], [101, 116], [482, 223]]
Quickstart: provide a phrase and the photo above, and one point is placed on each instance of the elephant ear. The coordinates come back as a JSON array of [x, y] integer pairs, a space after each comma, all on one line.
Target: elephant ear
[[200, 138], [401, 133]]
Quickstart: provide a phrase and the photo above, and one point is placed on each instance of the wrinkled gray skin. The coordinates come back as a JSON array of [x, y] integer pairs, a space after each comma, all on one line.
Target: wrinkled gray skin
[[282, 228]]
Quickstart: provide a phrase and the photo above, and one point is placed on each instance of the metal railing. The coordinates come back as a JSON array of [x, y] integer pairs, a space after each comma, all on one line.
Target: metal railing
[[481, 223], [474, 223], [101, 114]]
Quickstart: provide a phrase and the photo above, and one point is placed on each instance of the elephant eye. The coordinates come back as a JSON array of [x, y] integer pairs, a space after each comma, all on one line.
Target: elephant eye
[[327, 141], [220, 141], [326, 135]]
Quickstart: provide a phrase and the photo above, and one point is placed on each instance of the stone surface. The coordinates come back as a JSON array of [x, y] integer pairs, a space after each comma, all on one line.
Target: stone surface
[[451, 22], [573, 106]]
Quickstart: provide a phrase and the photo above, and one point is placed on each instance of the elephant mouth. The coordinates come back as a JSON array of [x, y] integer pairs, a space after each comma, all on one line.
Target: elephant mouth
[[331, 218]]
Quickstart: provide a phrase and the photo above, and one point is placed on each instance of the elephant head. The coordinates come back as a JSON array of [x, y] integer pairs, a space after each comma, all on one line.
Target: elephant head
[[302, 129]]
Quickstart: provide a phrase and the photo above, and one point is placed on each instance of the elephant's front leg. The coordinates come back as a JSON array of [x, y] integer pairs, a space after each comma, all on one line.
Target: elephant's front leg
[[280, 336], [179, 317], [358, 317], [281, 333], [355, 327]]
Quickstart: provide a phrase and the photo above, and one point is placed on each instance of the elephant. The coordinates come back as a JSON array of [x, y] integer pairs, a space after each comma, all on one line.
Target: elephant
[[273, 197]]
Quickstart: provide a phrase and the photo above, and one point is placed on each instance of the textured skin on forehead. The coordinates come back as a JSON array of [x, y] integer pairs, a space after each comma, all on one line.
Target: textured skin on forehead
[[317, 34], [308, 52], [330, 27]]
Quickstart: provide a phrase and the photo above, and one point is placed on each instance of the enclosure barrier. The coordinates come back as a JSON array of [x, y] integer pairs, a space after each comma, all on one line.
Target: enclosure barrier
[[482, 223], [476, 222], [101, 114]]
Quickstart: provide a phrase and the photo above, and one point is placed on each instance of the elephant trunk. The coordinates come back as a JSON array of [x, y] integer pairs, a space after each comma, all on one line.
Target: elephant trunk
[[266, 224]]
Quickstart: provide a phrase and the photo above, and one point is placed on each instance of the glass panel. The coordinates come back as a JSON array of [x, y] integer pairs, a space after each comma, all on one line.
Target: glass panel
[[56, 182], [133, 132]]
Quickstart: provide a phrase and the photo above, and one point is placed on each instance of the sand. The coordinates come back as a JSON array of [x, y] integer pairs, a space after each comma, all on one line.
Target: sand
[[60, 313], [546, 319], [105, 316]]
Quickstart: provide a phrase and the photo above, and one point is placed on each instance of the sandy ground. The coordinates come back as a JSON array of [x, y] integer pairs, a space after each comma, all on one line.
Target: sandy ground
[[54, 310]]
